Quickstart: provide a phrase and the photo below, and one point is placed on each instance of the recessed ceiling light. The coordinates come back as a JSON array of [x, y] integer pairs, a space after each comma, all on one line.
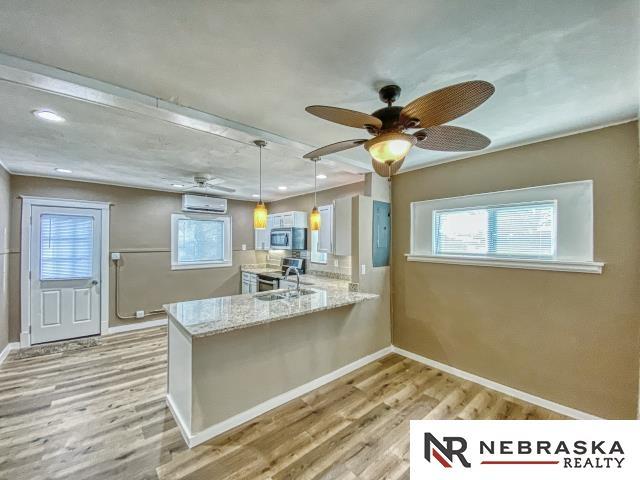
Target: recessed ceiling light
[[63, 170], [48, 116], [322, 176], [255, 195], [177, 185], [282, 187]]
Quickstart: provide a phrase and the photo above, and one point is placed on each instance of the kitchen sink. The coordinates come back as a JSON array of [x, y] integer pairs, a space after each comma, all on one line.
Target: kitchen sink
[[271, 296]]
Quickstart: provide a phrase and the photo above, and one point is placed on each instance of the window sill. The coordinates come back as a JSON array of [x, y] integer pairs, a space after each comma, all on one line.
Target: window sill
[[554, 265], [197, 266]]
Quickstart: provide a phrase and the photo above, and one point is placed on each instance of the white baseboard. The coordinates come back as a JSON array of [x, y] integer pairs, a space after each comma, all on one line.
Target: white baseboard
[[527, 397], [214, 430], [137, 326], [5, 351]]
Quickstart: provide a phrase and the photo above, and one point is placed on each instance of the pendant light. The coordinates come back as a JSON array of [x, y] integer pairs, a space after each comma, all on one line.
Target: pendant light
[[260, 212], [314, 219]]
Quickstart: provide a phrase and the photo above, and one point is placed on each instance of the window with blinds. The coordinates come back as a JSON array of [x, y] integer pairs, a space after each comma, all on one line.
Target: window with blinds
[[66, 247], [200, 241], [516, 231]]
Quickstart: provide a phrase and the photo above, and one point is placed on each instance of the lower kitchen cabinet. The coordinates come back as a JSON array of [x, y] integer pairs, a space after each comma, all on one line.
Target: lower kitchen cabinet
[[249, 282]]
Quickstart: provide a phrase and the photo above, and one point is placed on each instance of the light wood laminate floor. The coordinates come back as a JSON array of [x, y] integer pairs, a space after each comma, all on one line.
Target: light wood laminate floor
[[99, 413]]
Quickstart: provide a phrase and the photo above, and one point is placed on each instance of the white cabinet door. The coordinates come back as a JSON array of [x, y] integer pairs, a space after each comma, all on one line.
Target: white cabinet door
[[275, 221], [249, 282], [325, 234], [262, 239], [300, 220], [342, 226], [287, 219]]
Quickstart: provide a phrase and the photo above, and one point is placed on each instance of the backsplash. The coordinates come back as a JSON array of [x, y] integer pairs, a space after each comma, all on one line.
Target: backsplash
[[340, 265]]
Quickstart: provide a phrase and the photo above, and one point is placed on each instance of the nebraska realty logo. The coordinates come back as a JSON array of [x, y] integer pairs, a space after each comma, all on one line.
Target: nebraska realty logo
[[501, 449]]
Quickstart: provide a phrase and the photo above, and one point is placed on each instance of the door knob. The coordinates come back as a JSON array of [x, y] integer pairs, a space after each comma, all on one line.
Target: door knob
[[94, 282]]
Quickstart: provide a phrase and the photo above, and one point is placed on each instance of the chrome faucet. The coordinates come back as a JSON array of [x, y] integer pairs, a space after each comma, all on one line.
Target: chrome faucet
[[286, 274]]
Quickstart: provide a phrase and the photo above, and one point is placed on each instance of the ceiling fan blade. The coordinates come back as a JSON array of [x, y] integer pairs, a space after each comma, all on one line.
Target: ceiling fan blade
[[447, 138], [344, 116], [221, 188], [448, 103], [333, 148]]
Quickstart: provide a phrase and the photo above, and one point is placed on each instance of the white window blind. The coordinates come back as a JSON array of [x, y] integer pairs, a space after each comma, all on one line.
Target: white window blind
[[519, 230], [66, 247], [200, 241], [462, 232]]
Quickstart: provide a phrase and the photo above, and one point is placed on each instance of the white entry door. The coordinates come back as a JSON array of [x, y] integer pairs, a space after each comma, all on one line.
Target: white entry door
[[64, 272]]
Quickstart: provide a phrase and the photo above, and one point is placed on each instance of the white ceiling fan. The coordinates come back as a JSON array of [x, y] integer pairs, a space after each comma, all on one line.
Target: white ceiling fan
[[206, 181]]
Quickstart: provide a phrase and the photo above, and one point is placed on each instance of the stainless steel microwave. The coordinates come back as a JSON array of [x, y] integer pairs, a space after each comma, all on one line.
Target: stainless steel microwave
[[289, 238]]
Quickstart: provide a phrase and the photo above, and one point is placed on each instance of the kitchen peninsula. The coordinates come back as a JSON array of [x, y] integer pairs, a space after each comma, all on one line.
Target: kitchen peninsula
[[233, 358]]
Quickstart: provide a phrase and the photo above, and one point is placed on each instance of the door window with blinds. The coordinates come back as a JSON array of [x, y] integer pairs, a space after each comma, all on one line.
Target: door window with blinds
[[513, 231], [66, 247], [200, 241]]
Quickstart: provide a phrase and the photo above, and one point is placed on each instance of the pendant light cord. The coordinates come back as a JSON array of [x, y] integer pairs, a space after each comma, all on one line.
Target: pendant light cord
[[260, 173], [315, 182]]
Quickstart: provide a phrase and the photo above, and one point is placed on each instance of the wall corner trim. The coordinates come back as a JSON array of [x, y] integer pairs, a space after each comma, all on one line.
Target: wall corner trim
[[137, 326], [520, 395]]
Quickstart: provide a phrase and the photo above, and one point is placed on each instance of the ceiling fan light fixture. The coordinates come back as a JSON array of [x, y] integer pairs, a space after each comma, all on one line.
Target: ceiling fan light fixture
[[390, 147]]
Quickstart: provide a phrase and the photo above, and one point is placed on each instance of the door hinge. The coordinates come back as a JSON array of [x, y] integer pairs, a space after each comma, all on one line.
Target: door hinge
[[29, 329]]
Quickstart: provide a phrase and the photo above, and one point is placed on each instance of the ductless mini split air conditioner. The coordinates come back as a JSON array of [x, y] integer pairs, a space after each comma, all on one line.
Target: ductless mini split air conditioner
[[203, 203]]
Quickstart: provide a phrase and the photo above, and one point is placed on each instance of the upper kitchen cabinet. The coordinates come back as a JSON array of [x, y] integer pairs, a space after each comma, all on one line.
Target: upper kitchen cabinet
[[342, 226], [288, 220], [335, 227], [262, 239], [325, 234]]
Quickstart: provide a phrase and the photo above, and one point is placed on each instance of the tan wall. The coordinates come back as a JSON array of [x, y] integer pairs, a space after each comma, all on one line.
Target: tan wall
[[5, 205], [304, 203], [572, 338], [140, 228], [283, 355]]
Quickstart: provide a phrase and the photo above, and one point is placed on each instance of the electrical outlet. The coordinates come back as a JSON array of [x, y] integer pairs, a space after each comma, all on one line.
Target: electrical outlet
[[244, 246], [363, 269], [336, 263], [140, 314], [115, 256]]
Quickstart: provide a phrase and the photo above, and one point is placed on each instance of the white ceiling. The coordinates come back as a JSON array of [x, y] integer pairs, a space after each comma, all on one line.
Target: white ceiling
[[102, 144], [558, 67]]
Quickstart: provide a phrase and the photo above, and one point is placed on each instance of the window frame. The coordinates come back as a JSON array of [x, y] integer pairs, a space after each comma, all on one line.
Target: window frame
[[227, 260], [574, 227], [488, 208]]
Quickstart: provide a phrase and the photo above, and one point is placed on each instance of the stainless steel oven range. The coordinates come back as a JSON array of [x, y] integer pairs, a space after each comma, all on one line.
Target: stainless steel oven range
[[271, 280]]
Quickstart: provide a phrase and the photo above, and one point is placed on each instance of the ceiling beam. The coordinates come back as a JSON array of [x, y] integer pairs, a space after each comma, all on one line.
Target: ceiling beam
[[60, 82]]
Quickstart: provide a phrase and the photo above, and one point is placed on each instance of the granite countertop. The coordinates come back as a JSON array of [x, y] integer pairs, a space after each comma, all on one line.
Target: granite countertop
[[211, 316], [259, 270]]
